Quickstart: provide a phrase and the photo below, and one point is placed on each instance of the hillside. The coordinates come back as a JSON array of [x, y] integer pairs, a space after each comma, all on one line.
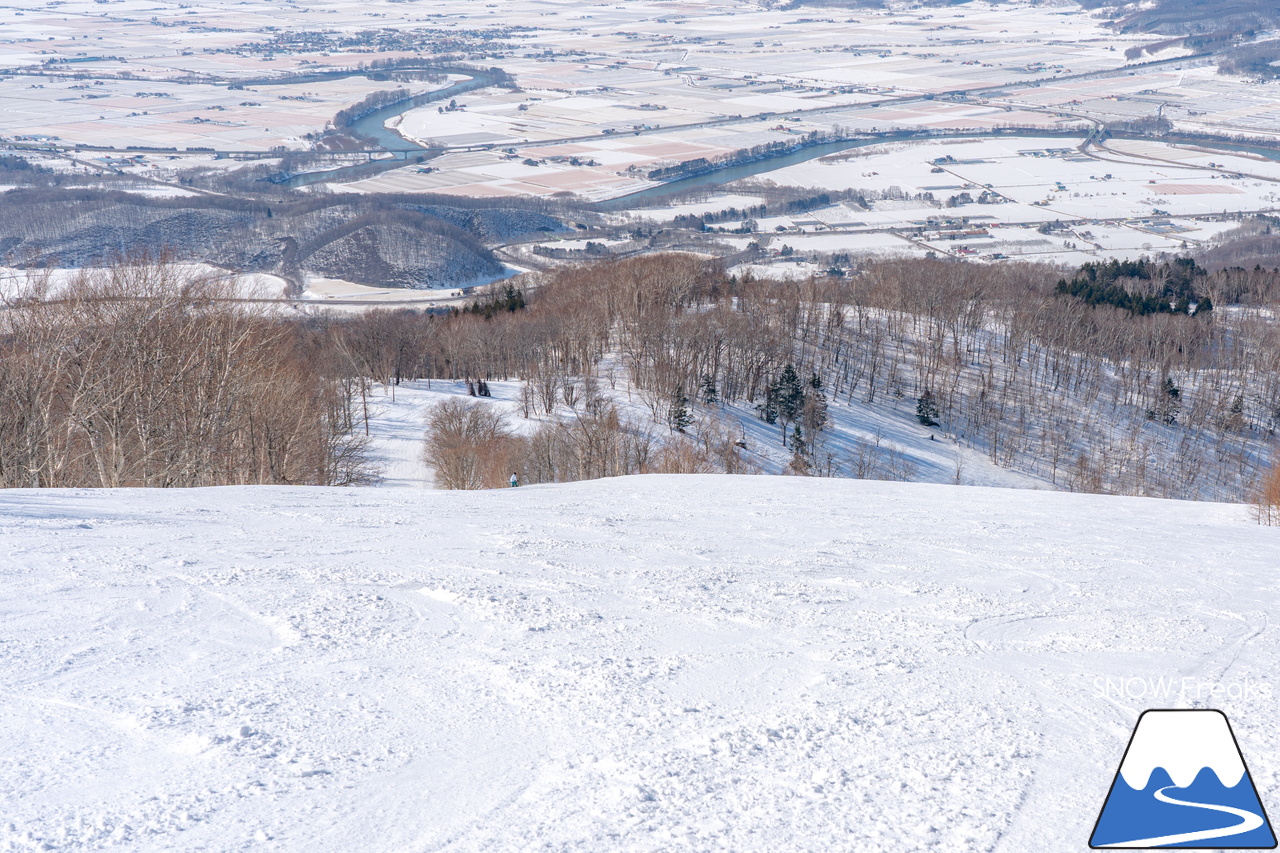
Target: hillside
[[640, 663], [888, 441], [391, 241], [1190, 16]]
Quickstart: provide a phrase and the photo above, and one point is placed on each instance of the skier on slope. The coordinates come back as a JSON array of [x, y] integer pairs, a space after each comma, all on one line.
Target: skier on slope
[[514, 482]]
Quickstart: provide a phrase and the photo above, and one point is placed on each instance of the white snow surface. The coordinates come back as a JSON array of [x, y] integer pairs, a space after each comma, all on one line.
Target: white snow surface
[[643, 663], [1183, 743]]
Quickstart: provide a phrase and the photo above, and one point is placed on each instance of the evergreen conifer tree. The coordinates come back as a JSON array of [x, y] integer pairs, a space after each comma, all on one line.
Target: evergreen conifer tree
[[678, 417], [789, 397], [1235, 414], [796, 443], [708, 390], [1168, 403], [814, 412], [927, 409], [800, 460]]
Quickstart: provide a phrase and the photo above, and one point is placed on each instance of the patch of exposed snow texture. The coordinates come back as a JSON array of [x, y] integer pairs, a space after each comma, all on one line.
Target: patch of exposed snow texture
[[643, 663]]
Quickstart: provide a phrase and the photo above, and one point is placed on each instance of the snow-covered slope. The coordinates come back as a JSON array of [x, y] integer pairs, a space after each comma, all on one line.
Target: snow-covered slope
[[646, 663], [889, 432]]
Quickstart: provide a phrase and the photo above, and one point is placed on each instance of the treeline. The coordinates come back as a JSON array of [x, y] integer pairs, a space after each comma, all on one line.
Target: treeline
[[15, 163], [702, 166], [1196, 17], [370, 103], [698, 222], [1202, 43], [592, 249], [1141, 287], [137, 375], [142, 375], [1083, 396], [380, 68], [18, 171], [472, 446], [1252, 60]]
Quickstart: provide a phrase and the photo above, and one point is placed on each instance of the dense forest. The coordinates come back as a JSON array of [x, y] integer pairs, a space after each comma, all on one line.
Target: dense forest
[[1141, 287]]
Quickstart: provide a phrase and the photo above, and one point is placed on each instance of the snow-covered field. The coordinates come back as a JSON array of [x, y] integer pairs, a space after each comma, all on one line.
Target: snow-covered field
[[1127, 200], [645, 663]]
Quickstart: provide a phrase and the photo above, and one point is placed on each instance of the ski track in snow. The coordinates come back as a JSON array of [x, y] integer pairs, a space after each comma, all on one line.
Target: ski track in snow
[[645, 663]]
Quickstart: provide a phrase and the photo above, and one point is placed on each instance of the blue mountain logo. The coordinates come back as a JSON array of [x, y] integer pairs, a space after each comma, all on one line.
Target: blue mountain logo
[[1183, 783]]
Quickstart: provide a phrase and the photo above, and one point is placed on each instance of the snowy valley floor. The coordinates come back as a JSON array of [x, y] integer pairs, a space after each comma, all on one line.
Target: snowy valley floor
[[645, 663]]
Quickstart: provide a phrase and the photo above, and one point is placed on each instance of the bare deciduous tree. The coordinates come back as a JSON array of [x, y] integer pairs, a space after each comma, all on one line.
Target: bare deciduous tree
[[143, 373], [470, 445]]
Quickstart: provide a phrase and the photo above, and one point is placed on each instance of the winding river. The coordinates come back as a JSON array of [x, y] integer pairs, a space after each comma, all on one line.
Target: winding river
[[769, 164], [373, 126], [813, 152]]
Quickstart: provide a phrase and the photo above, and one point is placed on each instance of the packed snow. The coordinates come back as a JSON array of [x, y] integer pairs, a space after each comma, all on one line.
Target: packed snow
[[643, 663]]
